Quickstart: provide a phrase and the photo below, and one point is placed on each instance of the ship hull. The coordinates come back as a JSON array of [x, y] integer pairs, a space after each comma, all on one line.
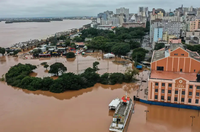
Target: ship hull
[[125, 123]]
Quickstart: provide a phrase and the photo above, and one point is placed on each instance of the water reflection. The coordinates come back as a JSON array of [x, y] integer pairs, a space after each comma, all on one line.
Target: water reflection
[[16, 59], [174, 117], [2, 59], [111, 113], [165, 119], [74, 94], [71, 59], [33, 74], [86, 107]]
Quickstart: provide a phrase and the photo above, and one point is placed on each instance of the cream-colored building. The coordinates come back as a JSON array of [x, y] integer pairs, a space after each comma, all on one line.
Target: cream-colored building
[[174, 76], [194, 25], [167, 37], [192, 37], [159, 15], [173, 18]]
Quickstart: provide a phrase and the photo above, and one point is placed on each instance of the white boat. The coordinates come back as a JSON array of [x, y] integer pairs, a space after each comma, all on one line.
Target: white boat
[[121, 115], [113, 105]]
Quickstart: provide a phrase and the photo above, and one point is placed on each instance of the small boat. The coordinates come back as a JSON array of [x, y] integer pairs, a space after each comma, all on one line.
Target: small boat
[[113, 105], [121, 115]]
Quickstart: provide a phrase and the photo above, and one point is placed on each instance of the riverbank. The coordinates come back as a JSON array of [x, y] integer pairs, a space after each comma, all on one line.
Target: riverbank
[[26, 32], [32, 20]]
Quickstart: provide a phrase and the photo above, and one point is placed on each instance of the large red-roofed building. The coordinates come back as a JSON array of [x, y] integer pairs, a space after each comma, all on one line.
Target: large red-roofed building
[[173, 77]]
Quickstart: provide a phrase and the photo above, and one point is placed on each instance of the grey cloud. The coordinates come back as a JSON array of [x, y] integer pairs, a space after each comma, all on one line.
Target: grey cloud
[[19, 8], [97, 5]]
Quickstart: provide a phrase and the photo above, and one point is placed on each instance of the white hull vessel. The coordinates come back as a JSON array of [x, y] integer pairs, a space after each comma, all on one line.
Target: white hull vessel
[[113, 105], [122, 113]]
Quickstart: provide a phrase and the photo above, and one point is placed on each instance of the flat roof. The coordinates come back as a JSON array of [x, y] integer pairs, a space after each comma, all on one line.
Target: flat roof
[[115, 102], [159, 54], [172, 75]]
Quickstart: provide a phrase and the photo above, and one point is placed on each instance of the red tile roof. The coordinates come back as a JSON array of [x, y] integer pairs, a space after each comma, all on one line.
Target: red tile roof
[[173, 75]]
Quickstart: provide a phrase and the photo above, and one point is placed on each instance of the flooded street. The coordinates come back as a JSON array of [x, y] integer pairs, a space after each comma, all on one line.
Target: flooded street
[[85, 110], [20, 32]]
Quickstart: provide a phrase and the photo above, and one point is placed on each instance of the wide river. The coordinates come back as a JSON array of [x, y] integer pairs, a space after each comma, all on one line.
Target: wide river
[[19, 32], [85, 110]]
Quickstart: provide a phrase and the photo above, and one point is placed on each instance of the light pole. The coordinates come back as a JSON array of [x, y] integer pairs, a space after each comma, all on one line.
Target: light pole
[[192, 119], [77, 64], [179, 98], [138, 91], [146, 113], [164, 102]]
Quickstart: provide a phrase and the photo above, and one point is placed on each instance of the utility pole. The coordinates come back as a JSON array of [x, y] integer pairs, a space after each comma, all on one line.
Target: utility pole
[[192, 119], [179, 99], [146, 113], [107, 65], [77, 63]]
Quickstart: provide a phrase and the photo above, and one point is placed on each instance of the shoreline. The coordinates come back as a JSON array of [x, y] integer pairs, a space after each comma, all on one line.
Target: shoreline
[[38, 41]]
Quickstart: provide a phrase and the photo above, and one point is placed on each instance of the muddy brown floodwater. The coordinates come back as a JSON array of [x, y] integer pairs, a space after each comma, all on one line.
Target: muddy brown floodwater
[[85, 110]]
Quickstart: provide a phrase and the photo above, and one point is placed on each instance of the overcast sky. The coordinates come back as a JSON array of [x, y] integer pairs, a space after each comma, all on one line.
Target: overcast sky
[[61, 8]]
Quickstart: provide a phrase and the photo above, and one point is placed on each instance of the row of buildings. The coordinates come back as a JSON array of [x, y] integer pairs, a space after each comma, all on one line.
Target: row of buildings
[[122, 17], [175, 70], [175, 76], [181, 23]]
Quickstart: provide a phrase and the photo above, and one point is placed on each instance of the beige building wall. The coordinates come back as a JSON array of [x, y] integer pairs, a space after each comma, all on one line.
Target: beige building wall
[[153, 17], [159, 15], [170, 37], [179, 91], [197, 24], [192, 26], [165, 36]]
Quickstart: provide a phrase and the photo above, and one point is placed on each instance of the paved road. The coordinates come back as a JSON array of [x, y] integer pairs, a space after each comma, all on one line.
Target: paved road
[[146, 45]]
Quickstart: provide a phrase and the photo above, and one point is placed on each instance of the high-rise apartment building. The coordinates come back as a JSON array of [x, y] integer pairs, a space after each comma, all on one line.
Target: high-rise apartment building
[[143, 11], [194, 25], [123, 11]]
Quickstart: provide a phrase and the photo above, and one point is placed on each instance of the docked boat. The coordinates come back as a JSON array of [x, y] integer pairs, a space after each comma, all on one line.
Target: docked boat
[[121, 115], [113, 105]]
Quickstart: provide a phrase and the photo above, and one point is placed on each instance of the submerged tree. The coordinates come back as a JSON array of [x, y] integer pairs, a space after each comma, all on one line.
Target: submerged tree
[[2, 51], [46, 66], [95, 65], [70, 55], [43, 63], [57, 68], [130, 73]]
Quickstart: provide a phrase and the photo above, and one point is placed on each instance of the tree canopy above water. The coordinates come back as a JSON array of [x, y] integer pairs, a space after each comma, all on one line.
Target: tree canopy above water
[[57, 68], [18, 76]]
